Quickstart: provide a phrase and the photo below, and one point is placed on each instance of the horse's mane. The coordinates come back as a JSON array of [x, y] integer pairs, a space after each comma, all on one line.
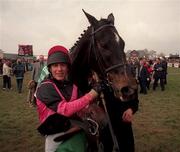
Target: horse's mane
[[79, 75], [74, 50]]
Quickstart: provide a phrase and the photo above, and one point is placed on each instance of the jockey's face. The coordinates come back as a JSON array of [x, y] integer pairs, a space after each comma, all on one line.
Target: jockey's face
[[59, 71]]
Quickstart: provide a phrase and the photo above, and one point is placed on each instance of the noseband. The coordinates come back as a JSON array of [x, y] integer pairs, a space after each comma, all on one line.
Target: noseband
[[104, 70]]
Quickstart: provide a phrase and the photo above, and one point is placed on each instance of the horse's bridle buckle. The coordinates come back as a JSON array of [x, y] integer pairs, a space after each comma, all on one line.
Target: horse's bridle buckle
[[94, 126]]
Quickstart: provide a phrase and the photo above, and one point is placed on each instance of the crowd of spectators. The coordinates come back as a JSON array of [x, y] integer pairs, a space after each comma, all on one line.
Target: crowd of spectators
[[16, 68], [149, 72]]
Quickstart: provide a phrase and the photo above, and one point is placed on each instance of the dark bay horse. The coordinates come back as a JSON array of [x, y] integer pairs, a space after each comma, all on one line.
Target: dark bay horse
[[101, 49]]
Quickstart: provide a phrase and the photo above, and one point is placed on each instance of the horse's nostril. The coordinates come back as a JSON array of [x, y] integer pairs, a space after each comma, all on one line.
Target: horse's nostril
[[125, 90]]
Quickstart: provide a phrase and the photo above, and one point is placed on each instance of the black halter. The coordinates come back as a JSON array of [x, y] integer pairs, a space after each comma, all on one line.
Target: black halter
[[104, 70]]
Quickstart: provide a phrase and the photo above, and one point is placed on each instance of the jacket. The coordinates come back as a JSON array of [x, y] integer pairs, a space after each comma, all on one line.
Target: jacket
[[143, 73], [159, 70], [6, 70], [19, 70], [57, 102]]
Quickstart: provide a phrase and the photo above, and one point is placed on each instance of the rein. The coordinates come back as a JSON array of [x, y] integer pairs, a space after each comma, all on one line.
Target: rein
[[102, 68], [115, 66]]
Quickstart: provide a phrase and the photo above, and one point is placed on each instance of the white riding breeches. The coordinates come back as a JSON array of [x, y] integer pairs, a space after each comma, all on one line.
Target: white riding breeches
[[50, 144]]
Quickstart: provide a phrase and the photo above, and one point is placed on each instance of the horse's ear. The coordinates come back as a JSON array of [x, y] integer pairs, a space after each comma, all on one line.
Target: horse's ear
[[92, 20], [111, 18]]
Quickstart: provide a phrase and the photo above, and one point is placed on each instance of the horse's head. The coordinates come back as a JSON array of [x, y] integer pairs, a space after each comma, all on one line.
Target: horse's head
[[107, 57]]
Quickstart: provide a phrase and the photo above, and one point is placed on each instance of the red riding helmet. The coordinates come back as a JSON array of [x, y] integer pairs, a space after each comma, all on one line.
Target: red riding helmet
[[58, 54]]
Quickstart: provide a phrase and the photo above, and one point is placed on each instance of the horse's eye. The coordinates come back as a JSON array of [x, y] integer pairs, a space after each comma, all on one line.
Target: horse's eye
[[103, 44], [106, 46], [106, 49]]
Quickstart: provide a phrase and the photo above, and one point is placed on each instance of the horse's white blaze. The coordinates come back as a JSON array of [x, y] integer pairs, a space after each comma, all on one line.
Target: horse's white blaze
[[117, 37]]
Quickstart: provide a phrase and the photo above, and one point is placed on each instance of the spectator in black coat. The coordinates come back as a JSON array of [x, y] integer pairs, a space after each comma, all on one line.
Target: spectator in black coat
[[164, 64], [143, 77], [19, 70], [159, 71]]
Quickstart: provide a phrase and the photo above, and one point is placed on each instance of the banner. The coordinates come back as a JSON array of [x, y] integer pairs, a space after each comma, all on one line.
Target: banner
[[25, 50], [134, 53]]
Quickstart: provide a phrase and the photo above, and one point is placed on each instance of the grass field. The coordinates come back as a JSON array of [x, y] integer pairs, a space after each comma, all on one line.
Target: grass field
[[156, 125]]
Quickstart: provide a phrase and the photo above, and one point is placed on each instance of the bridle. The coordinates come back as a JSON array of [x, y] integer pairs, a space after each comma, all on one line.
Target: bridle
[[105, 71], [98, 55]]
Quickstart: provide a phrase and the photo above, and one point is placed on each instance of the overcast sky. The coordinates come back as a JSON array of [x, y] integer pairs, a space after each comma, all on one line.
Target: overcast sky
[[151, 24]]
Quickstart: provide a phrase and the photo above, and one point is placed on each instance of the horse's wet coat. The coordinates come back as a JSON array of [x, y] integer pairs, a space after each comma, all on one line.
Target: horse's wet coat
[[101, 49]]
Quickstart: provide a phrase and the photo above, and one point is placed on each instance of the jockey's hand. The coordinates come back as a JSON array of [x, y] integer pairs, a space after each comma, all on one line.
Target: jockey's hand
[[97, 87], [128, 115]]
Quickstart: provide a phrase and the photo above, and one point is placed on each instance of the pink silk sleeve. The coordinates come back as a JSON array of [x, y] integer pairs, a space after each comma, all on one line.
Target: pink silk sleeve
[[69, 108]]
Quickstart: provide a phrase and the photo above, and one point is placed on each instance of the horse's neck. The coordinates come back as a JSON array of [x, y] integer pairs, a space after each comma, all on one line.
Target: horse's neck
[[82, 51], [80, 62]]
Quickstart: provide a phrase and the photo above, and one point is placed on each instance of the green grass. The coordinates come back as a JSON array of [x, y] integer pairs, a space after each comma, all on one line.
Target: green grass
[[18, 122], [156, 125]]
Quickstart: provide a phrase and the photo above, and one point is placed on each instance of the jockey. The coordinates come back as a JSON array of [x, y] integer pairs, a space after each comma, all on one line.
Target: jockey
[[58, 101]]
